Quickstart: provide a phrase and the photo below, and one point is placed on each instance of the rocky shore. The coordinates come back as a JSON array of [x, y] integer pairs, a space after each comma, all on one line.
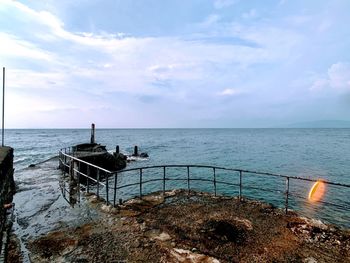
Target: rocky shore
[[196, 228]]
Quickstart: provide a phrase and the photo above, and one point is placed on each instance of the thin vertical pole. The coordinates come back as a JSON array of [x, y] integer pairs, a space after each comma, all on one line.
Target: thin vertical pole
[[65, 160], [98, 182], [87, 177], [214, 181], [287, 194], [140, 183], [188, 179], [3, 105], [78, 178], [240, 185], [115, 188], [107, 189], [163, 180]]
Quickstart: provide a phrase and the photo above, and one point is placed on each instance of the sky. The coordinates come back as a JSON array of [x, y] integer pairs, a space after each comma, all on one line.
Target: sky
[[174, 63]]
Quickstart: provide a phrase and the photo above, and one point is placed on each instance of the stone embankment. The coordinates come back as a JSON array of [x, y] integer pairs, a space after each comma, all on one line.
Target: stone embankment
[[196, 228], [7, 190]]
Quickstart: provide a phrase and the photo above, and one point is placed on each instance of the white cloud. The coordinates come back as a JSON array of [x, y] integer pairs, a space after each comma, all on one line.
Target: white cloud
[[320, 84], [230, 92], [339, 76], [337, 79], [12, 46]]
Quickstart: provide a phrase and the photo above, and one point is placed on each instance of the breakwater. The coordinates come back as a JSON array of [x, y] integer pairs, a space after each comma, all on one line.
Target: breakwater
[[7, 190]]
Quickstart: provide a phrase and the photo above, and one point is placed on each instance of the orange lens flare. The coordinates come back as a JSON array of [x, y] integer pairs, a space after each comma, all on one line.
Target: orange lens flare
[[317, 191]]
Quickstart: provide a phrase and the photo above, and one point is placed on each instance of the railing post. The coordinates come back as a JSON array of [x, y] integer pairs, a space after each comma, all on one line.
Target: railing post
[[214, 181], [78, 179], [98, 183], [188, 180], [65, 159], [115, 188], [107, 190], [87, 177], [140, 183], [240, 185], [163, 180], [287, 194]]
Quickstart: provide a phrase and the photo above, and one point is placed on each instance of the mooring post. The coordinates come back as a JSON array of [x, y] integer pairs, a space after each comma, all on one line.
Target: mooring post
[[287, 194], [117, 149], [92, 133], [136, 151]]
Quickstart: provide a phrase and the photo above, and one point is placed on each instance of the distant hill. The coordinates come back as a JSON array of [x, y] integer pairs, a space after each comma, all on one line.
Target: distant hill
[[321, 124]]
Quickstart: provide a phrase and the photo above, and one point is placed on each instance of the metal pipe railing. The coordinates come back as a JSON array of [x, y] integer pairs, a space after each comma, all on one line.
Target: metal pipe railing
[[66, 160]]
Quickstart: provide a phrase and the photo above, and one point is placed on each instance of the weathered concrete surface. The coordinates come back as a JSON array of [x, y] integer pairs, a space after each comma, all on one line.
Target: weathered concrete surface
[[199, 228], [7, 190]]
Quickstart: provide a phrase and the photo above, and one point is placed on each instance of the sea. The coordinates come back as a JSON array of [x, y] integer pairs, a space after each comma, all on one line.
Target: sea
[[308, 153]]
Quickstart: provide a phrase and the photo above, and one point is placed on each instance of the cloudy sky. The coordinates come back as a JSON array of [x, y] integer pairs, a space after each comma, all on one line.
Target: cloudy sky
[[174, 63]]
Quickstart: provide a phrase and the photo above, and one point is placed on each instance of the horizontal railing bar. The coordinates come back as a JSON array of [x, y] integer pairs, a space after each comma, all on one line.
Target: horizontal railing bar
[[208, 167], [231, 169], [87, 163], [91, 178]]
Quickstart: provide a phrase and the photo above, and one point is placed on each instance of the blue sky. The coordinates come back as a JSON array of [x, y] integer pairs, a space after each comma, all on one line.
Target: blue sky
[[162, 63]]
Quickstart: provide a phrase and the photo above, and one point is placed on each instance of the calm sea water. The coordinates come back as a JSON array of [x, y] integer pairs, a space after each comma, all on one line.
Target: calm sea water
[[309, 153]]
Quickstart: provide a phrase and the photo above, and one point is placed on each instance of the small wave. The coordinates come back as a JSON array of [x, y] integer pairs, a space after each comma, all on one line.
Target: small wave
[[136, 158]]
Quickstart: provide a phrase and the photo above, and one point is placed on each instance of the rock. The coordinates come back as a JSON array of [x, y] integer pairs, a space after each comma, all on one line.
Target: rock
[[182, 255], [106, 208], [31, 165], [163, 237], [144, 155], [310, 260]]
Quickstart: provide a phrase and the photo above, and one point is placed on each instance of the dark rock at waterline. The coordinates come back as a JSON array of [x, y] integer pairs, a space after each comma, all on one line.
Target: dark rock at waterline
[[106, 160], [32, 165], [144, 155]]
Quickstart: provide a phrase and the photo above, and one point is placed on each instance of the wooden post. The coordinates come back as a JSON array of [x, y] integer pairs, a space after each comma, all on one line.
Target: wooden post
[[92, 133], [117, 149]]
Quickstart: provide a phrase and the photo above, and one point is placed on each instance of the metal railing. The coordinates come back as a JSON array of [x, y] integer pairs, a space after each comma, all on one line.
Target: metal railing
[[246, 183]]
